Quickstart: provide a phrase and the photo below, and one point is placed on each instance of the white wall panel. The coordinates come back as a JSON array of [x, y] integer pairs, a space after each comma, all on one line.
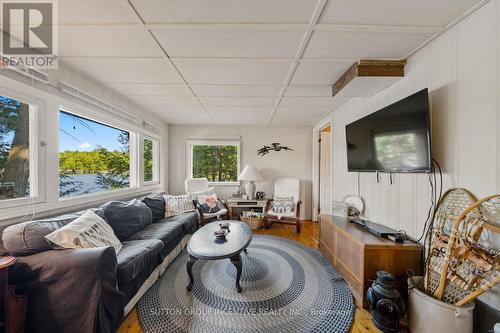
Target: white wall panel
[[296, 163], [462, 71]]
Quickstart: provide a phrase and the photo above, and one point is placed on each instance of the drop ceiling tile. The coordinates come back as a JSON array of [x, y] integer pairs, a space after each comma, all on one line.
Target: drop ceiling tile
[[106, 41], [176, 110], [187, 119], [132, 89], [166, 100], [294, 120], [243, 119], [363, 45], [225, 11], [307, 101], [314, 91], [240, 110], [123, 70], [238, 101], [319, 72], [302, 111], [182, 42], [96, 12], [235, 90], [433, 13], [233, 71]]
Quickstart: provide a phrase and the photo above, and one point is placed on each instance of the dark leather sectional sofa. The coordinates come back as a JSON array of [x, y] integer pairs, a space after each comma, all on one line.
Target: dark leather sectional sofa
[[89, 290]]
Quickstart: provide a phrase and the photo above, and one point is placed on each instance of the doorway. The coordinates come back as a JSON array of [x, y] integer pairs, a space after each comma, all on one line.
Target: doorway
[[322, 180]]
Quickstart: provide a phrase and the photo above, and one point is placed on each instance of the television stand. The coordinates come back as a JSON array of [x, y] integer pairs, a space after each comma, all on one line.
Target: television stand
[[358, 255]]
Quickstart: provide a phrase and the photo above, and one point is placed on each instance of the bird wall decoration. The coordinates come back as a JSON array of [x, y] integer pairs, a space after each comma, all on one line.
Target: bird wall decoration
[[276, 146]]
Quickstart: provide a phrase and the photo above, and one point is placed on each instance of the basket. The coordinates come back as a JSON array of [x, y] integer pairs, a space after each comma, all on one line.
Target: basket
[[253, 222]]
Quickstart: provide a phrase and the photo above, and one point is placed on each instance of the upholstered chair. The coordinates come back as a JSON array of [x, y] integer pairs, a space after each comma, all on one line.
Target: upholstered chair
[[284, 189], [199, 187]]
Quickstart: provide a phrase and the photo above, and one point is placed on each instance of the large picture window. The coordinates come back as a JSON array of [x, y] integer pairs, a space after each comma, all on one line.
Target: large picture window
[[14, 149], [93, 157], [218, 161]]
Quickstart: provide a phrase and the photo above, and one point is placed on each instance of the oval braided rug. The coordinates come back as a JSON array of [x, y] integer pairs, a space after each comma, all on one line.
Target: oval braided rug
[[287, 287]]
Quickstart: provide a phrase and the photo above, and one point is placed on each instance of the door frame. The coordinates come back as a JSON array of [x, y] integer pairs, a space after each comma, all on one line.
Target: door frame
[[321, 125]]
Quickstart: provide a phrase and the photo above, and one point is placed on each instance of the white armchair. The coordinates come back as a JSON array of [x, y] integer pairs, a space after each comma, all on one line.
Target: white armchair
[[200, 186], [284, 188], [195, 186]]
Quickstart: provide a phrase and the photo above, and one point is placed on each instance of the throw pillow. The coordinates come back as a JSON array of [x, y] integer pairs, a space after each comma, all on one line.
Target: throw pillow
[[209, 203], [156, 203], [88, 230], [127, 218], [175, 205], [283, 205]]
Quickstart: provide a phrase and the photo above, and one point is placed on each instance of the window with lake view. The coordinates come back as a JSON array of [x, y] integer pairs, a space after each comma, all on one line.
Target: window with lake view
[[93, 157], [14, 149]]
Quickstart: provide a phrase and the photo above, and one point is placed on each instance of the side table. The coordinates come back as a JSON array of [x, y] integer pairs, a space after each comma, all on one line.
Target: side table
[[237, 204], [12, 306]]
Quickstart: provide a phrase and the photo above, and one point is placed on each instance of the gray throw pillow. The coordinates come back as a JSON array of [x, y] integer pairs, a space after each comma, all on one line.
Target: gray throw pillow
[[156, 203], [127, 218]]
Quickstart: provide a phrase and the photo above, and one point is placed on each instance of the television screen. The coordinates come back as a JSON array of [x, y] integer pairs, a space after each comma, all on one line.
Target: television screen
[[393, 139]]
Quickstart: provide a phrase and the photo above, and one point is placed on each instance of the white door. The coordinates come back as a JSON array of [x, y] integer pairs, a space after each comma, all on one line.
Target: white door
[[325, 173]]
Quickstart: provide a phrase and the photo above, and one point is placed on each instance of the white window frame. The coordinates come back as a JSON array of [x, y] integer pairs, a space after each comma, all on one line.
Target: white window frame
[[133, 144], [37, 156], [189, 162], [156, 160]]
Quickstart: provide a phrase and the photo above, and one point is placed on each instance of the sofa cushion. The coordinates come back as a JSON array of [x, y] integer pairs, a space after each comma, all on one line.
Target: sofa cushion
[[165, 231], [188, 221], [127, 218], [155, 202], [28, 238], [137, 256]]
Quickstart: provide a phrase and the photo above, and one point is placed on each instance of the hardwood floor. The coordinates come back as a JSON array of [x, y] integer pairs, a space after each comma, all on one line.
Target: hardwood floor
[[308, 236]]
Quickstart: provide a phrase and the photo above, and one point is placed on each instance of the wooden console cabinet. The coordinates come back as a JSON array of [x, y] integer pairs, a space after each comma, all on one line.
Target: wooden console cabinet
[[358, 255]]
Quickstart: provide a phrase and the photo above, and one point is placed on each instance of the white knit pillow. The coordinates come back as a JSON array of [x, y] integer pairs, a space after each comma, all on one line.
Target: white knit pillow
[[175, 205], [87, 231]]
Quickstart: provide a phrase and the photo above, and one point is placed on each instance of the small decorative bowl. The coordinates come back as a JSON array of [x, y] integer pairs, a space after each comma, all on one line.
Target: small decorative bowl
[[224, 225]]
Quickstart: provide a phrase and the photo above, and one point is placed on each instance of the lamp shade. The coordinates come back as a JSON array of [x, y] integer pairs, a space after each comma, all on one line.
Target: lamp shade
[[250, 173]]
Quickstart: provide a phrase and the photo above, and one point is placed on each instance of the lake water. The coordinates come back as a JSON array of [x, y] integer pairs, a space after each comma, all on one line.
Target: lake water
[[83, 184]]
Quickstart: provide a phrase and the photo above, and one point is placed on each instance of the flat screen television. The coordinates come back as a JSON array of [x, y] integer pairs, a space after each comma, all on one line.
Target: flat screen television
[[393, 139]]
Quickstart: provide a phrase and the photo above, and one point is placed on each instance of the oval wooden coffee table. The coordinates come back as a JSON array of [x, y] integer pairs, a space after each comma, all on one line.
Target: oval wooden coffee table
[[203, 245]]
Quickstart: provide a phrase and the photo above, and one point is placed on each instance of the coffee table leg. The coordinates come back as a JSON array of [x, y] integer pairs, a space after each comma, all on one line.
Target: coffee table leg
[[236, 261], [189, 267]]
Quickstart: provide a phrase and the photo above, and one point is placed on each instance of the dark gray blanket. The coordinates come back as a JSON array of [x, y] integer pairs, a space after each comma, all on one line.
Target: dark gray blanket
[[70, 290]]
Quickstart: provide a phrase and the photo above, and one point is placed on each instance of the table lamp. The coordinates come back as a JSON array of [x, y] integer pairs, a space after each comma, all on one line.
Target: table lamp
[[250, 174]]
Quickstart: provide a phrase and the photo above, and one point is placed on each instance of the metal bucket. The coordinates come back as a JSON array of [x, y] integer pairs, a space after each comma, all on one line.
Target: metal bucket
[[427, 314]]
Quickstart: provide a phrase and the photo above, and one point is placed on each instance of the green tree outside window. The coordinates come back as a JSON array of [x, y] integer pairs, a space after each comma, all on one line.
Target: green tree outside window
[[218, 163]]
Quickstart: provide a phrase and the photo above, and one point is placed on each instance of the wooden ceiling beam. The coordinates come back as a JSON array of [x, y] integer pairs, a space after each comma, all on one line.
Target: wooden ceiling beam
[[370, 68]]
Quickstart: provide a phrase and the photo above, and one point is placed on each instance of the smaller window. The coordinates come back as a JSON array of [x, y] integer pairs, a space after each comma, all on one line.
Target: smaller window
[[150, 157], [218, 161]]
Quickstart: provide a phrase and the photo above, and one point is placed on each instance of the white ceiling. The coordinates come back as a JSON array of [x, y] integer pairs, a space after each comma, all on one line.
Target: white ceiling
[[241, 62]]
